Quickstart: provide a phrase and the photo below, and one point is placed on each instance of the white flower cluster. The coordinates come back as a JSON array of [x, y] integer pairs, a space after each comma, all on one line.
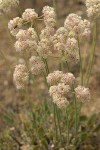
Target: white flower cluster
[[93, 8], [71, 44], [47, 32], [45, 45], [74, 24], [58, 99], [14, 25], [52, 42], [62, 42], [82, 93], [61, 87], [68, 78], [20, 76], [26, 40], [72, 51], [49, 16], [37, 66], [29, 15], [59, 40], [54, 78], [6, 5]]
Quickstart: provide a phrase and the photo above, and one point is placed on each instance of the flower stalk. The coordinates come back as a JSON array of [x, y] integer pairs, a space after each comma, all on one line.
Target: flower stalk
[[67, 113], [76, 117], [92, 54], [81, 67]]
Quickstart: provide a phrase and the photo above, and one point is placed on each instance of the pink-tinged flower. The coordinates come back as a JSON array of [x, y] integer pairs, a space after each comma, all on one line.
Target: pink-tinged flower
[[71, 45], [45, 47], [37, 66], [62, 102], [26, 40], [54, 78], [63, 89], [14, 25], [59, 40], [72, 51], [68, 78], [29, 15], [93, 8], [49, 16], [53, 90], [80, 28], [57, 98], [47, 32], [82, 93], [20, 76]]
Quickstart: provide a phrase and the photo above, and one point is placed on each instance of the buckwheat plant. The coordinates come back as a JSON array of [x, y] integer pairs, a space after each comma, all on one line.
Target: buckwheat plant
[[57, 122]]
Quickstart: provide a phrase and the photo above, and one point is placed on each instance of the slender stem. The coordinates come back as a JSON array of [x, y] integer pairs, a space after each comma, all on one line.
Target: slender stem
[[46, 81], [55, 8], [62, 66], [34, 24], [54, 4], [67, 130], [76, 116], [58, 119], [92, 54], [55, 124], [40, 17], [44, 60], [19, 9], [26, 23], [79, 112], [63, 55], [46, 67], [81, 68], [67, 66]]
